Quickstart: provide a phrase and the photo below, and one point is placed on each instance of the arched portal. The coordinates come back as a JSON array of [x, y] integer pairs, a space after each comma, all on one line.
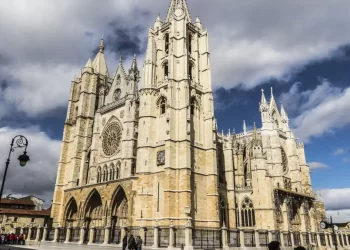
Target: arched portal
[[119, 213], [71, 214], [94, 210]]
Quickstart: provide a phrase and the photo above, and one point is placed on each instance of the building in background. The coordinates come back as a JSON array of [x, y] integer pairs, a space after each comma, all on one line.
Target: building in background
[[152, 159], [19, 214]]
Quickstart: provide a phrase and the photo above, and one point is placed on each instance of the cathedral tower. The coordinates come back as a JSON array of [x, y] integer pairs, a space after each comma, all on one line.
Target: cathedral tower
[[176, 156]]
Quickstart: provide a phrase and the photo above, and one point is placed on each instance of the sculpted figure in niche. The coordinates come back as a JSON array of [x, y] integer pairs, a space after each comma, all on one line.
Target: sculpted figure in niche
[[116, 95]]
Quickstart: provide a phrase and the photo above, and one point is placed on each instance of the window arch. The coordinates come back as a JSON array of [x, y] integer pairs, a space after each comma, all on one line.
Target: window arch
[[99, 175], [194, 107], [162, 105], [247, 213], [190, 43], [105, 173], [110, 174], [190, 70], [166, 69], [166, 43], [117, 171]]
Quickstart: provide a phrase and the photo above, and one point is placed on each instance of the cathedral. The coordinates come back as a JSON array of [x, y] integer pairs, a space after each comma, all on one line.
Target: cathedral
[[151, 162]]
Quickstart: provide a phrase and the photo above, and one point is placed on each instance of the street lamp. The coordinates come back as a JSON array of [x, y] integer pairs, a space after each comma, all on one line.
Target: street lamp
[[19, 141], [326, 225]]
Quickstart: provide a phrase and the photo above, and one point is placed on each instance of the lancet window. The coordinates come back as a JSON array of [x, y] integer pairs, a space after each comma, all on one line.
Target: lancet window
[[247, 213], [194, 107], [190, 43], [166, 43], [162, 105], [117, 174], [284, 161], [99, 175], [166, 70], [190, 67]]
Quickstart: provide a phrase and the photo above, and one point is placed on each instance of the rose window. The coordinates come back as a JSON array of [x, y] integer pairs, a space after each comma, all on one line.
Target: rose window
[[111, 139]]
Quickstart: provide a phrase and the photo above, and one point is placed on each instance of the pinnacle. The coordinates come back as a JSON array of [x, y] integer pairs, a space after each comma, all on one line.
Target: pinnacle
[[88, 64]]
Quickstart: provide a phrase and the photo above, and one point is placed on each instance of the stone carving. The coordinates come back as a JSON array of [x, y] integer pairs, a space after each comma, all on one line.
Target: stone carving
[[122, 114], [116, 95], [104, 121], [111, 139]]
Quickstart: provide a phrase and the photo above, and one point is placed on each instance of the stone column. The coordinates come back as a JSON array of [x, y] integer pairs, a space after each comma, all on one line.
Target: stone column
[[326, 239], [82, 234], [318, 239], [224, 237], [257, 239], [92, 235], [29, 236], [107, 235], [310, 238], [142, 233], [188, 238], [171, 236], [155, 237], [292, 238], [241, 238], [282, 238], [337, 239], [122, 234], [44, 234], [68, 234], [55, 237], [37, 236], [269, 236], [347, 239]]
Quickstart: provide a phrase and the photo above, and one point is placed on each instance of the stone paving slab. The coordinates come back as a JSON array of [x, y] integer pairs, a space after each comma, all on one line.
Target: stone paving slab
[[61, 246]]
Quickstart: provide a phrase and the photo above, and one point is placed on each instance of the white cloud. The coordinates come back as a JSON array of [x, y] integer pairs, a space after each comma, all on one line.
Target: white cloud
[[250, 41], [339, 216], [317, 165], [339, 151], [39, 175], [336, 199], [319, 111], [346, 159]]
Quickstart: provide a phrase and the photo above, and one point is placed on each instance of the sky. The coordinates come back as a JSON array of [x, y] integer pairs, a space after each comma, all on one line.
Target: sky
[[300, 48]]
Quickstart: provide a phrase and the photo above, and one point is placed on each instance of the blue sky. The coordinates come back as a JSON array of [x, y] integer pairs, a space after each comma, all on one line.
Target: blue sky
[[253, 45]]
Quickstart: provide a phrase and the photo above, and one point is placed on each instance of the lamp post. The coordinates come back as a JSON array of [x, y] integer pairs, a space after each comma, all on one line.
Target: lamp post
[[326, 225], [19, 141]]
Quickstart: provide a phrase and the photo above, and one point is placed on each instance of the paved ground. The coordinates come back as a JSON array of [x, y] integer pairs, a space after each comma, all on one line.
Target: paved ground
[[60, 246]]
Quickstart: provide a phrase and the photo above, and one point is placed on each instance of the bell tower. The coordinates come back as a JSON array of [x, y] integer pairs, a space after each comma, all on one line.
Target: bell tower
[[176, 153]]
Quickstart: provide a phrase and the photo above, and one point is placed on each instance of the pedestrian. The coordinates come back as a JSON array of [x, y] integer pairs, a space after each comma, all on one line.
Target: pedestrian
[[125, 242], [138, 243], [274, 245], [131, 242], [299, 248]]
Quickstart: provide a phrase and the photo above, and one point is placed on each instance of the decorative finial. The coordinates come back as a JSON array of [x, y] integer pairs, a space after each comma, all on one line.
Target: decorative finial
[[134, 56], [271, 91], [102, 46], [121, 58]]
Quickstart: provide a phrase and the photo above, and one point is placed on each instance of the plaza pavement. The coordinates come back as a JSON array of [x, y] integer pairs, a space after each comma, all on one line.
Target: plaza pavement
[[59, 246]]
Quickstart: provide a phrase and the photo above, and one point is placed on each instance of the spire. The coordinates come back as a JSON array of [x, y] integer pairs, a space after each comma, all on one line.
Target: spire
[[244, 127], [134, 64], [151, 49], [177, 7], [198, 23], [99, 64], [158, 23], [88, 64], [255, 133], [263, 99], [283, 113], [272, 99]]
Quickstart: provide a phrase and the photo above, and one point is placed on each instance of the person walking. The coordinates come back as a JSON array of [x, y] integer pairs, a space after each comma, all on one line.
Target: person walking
[[274, 245], [138, 243], [125, 242], [131, 243]]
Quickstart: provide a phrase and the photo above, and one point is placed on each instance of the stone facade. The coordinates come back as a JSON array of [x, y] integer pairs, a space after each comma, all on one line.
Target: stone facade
[[154, 158]]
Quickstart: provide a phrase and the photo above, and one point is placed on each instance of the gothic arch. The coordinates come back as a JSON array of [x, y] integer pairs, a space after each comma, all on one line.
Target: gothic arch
[[247, 212], [99, 174], [162, 104], [110, 120], [94, 208], [119, 206], [223, 211], [71, 212], [117, 170], [105, 173], [166, 39], [165, 68], [194, 106]]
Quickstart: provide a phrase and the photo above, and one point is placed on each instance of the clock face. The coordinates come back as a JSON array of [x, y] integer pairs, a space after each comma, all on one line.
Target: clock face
[[336, 227], [323, 225], [161, 157]]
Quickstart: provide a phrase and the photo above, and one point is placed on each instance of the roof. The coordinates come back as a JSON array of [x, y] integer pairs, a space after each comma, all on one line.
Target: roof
[[17, 201], [46, 212], [30, 196]]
